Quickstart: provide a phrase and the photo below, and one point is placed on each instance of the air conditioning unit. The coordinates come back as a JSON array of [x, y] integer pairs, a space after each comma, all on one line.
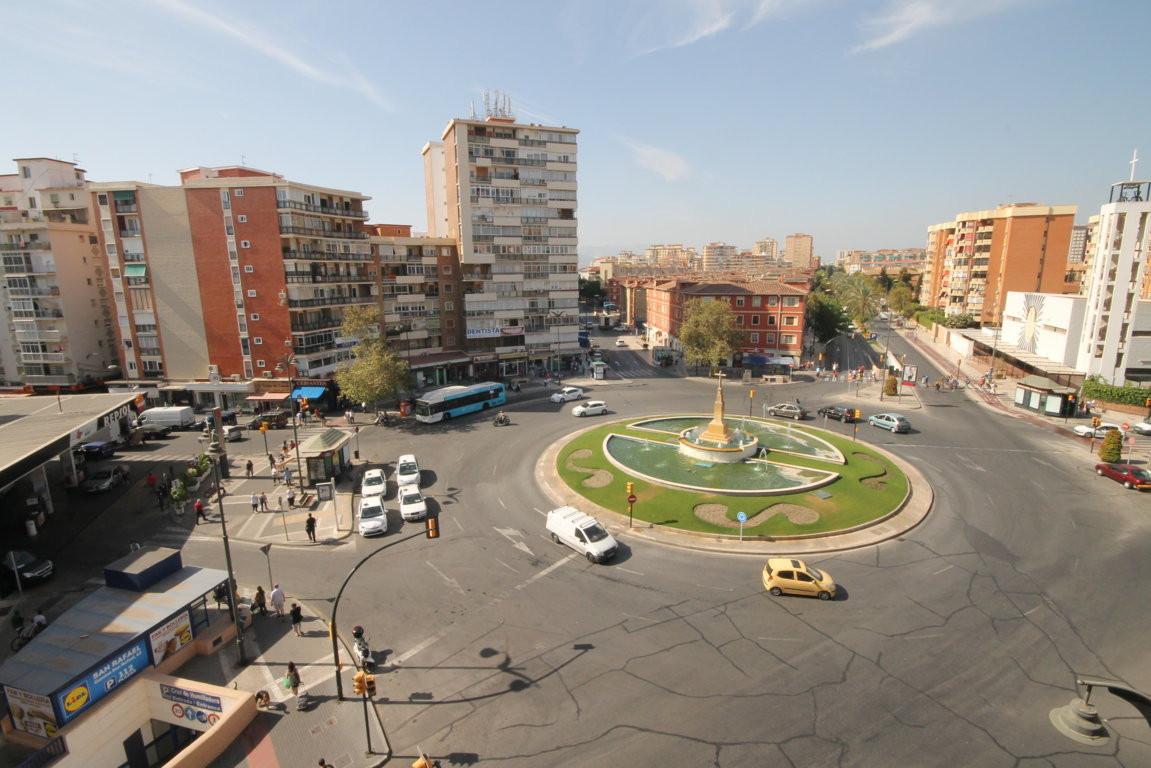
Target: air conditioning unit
[[269, 375], [214, 369]]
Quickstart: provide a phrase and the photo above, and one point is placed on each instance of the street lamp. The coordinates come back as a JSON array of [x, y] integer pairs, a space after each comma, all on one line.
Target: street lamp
[[282, 365], [217, 455]]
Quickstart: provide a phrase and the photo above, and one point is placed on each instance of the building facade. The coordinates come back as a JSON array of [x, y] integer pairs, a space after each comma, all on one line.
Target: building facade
[[891, 259], [56, 313], [672, 256], [719, 256], [767, 249], [510, 192], [799, 251]]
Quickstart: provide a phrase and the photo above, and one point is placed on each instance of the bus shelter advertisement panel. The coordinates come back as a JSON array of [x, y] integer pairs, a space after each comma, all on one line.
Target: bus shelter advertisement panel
[[31, 713], [170, 637], [102, 680]]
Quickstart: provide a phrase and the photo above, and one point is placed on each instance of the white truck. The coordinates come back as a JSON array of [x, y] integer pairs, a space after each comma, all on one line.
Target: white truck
[[176, 417], [581, 532]]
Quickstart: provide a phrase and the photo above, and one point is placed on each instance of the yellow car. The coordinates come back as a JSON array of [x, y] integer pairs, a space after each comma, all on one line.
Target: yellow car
[[798, 578]]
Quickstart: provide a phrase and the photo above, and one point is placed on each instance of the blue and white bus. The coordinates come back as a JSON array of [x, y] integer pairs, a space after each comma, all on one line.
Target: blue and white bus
[[449, 402]]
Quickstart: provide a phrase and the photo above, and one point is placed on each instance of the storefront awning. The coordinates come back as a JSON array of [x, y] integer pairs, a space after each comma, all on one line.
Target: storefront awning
[[311, 393], [269, 397]]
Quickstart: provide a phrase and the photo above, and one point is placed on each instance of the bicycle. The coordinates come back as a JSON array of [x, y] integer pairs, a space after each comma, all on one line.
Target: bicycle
[[24, 636]]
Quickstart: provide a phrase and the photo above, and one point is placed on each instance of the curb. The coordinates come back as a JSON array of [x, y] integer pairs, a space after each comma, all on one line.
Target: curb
[[904, 517]]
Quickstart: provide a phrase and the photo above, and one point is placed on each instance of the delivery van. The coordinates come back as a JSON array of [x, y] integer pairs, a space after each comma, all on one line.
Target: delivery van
[[176, 417], [581, 532]]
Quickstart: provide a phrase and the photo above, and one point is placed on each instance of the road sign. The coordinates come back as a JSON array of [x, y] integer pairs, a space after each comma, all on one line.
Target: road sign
[[631, 499], [741, 517], [1125, 427]]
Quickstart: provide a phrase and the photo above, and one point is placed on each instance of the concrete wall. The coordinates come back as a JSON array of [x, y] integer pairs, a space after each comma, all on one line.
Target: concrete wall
[[1046, 324]]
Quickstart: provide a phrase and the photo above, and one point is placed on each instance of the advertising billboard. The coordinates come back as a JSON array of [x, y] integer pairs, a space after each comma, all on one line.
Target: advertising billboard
[[102, 680]]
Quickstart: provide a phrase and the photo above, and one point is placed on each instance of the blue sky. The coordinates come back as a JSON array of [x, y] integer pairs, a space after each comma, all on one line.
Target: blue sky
[[858, 121]]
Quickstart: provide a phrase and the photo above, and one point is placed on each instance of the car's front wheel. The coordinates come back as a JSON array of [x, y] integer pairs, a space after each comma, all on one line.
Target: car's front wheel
[[776, 591], [1129, 485], [894, 430], [824, 595]]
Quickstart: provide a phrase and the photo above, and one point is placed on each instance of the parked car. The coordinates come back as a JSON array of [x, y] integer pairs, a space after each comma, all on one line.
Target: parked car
[[590, 408], [566, 394], [787, 411], [233, 433], [1132, 477], [372, 518], [1086, 430], [31, 569], [373, 483], [155, 430], [412, 504], [104, 479], [1141, 428], [890, 421], [276, 419], [581, 532], [620, 343], [796, 577], [846, 415], [407, 471], [98, 450]]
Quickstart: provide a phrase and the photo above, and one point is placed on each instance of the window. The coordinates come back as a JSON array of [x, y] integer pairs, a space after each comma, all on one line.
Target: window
[[111, 249], [772, 301], [251, 293], [791, 301], [771, 319], [287, 342], [93, 240], [739, 319], [229, 229], [249, 268], [261, 364], [255, 316], [448, 288], [239, 191], [446, 269], [257, 340], [787, 338], [25, 171], [245, 243], [755, 319], [739, 301], [789, 320], [243, 217], [31, 202], [757, 301], [102, 198], [449, 306], [755, 338]]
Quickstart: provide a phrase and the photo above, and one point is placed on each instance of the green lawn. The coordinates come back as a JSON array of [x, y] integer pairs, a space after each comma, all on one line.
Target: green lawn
[[869, 487]]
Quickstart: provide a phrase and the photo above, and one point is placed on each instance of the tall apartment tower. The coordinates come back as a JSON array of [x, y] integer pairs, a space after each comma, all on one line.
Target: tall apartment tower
[[719, 256], [510, 192], [799, 251], [435, 185], [767, 249], [973, 261], [1116, 340], [1078, 245], [54, 308]]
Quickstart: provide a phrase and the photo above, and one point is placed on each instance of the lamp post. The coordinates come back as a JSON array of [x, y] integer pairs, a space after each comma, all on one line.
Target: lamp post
[[994, 352], [216, 453]]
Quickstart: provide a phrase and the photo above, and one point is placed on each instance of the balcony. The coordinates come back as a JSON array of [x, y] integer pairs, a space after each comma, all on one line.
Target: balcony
[[127, 208], [53, 336], [309, 277], [330, 301], [347, 213], [21, 291], [316, 232], [31, 245], [36, 314], [43, 357], [133, 257], [326, 323], [129, 233], [326, 256]]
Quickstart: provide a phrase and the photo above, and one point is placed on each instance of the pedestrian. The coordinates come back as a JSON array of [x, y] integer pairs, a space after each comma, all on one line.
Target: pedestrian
[[284, 450], [310, 528], [291, 498], [323, 419], [198, 506], [292, 445], [248, 467], [277, 598], [260, 602], [287, 475], [297, 616], [255, 503], [272, 462], [292, 679], [324, 763], [150, 480], [263, 502], [351, 417], [280, 503]]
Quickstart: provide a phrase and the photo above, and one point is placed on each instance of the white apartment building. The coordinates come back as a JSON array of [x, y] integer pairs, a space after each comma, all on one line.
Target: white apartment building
[[510, 197], [435, 186], [673, 255], [767, 249], [1078, 244], [55, 310], [1116, 341], [719, 256]]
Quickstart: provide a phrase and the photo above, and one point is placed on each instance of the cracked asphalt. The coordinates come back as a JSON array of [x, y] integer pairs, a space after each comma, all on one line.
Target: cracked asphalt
[[949, 646]]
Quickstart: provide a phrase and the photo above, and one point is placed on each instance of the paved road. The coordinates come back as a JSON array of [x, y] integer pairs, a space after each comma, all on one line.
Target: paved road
[[949, 648]]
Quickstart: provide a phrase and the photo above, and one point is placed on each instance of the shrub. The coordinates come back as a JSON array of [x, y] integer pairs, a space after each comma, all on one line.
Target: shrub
[[179, 492], [891, 386], [1094, 388], [1111, 451], [929, 317]]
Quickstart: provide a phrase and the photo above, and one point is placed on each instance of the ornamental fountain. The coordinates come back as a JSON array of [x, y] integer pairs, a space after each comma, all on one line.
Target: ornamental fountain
[[716, 442]]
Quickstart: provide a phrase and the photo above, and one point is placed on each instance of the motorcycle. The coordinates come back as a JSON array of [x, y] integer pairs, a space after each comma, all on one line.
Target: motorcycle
[[503, 420], [363, 651]]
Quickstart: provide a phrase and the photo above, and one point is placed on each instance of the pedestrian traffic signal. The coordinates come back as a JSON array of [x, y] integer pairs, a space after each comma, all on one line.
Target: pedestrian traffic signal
[[370, 684], [432, 527], [358, 684]]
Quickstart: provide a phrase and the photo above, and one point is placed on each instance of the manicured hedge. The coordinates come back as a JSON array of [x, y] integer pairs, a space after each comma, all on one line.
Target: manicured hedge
[[1094, 388]]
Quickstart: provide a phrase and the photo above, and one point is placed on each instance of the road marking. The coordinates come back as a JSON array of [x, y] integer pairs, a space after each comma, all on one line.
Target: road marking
[[1033, 610], [537, 509], [415, 649], [447, 579], [459, 525], [501, 501], [546, 571], [627, 570], [501, 562], [941, 570], [641, 618], [516, 538]]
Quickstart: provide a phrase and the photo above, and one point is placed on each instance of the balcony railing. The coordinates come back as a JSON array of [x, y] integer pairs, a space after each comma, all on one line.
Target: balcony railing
[[127, 208], [129, 233], [328, 301], [36, 314], [315, 232], [348, 213], [326, 256], [31, 245], [308, 277], [316, 325], [43, 357], [133, 257], [53, 291]]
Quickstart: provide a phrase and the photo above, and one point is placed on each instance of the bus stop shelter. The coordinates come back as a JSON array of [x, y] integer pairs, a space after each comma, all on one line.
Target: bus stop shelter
[[326, 455]]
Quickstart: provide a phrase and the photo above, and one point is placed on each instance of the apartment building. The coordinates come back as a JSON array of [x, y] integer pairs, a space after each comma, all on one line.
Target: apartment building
[[1078, 247], [673, 255], [719, 256], [891, 259], [767, 249], [56, 314], [799, 251], [973, 261], [510, 191], [1116, 339]]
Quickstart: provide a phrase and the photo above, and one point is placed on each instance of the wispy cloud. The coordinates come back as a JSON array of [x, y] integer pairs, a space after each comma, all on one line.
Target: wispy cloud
[[903, 19], [676, 25], [348, 77], [668, 164]]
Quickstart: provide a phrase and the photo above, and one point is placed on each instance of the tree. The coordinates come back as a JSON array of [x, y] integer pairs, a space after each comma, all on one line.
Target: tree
[[1111, 450], [904, 276], [708, 332], [859, 295], [959, 321], [890, 386], [884, 280], [375, 373], [900, 298], [824, 316], [590, 290]]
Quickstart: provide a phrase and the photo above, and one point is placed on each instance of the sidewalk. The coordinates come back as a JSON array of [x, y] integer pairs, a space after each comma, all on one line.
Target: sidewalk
[[281, 735]]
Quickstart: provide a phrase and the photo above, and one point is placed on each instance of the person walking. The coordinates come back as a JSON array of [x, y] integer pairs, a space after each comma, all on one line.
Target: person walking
[[260, 602], [297, 616], [310, 528], [272, 463], [292, 680], [291, 498], [248, 468], [255, 503], [277, 598], [198, 506], [351, 417], [263, 502]]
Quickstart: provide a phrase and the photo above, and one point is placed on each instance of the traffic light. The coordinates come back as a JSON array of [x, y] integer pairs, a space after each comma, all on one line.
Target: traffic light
[[370, 684], [858, 414], [432, 527], [358, 683], [1096, 421], [630, 488], [263, 426]]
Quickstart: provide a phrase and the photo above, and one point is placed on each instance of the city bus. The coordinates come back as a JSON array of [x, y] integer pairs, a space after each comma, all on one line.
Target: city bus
[[449, 402]]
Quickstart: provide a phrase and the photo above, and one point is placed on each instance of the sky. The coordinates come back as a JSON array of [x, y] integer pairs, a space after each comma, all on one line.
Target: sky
[[860, 122]]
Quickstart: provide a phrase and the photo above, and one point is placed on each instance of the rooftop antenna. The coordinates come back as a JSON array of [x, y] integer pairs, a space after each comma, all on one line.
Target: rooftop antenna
[[1134, 161], [75, 158], [243, 159], [472, 105]]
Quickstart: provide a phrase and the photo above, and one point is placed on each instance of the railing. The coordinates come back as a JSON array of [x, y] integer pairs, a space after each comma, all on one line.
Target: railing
[[345, 212], [316, 325], [127, 208], [328, 301], [33, 291], [308, 277], [32, 314], [47, 754], [32, 245], [313, 232], [129, 233], [42, 357], [133, 257], [326, 256]]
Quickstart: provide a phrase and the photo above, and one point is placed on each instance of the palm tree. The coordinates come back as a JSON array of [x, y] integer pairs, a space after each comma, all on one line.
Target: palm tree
[[860, 296]]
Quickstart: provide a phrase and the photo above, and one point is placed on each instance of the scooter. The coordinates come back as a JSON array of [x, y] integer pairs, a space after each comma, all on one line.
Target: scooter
[[363, 651], [503, 420]]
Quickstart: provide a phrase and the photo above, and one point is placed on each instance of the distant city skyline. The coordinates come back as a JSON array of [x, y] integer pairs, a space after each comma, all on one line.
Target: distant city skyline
[[860, 123]]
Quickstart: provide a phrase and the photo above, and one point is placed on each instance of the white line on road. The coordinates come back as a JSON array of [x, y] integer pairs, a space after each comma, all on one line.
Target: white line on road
[[447, 579], [546, 571], [1033, 610], [627, 570], [415, 649], [537, 509], [641, 618], [941, 570], [459, 525], [501, 562], [501, 501]]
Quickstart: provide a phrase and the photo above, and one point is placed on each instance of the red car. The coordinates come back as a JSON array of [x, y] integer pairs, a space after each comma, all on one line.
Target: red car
[[1131, 476]]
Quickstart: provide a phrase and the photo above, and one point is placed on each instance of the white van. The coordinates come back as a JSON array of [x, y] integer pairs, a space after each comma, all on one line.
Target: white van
[[581, 532], [176, 417]]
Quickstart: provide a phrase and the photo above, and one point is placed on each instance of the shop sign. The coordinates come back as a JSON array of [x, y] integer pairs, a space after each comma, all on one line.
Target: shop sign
[[191, 698], [483, 358], [31, 713], [512, 330], [171, 637], [196, 719], [483, 333], [103, 680]]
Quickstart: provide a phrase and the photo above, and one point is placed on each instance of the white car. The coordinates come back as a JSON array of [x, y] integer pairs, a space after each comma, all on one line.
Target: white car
[[590, 408], [1141, 428], [233, 433], [620, 343], [407, 471], [1086, 430], [412, 505], [566, 394], [372, 519], [374, 483]]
